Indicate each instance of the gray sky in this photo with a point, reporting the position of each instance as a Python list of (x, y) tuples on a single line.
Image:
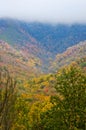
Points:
[(53, 11)]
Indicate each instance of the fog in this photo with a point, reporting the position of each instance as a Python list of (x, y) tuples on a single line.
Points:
[(51, 11)]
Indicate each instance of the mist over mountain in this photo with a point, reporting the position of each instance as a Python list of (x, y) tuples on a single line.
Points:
[(46, 11)]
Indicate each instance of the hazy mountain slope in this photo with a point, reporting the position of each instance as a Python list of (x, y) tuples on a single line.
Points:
[(52, 38), (73, 53), (57, 38), (35, 45), (15, 33)]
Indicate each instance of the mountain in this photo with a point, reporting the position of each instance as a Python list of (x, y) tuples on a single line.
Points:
[(20, 63), (34, 47), (74, 53), (57, 38), (53, 38)]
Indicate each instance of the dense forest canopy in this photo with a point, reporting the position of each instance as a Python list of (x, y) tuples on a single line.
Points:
[(51, 102)]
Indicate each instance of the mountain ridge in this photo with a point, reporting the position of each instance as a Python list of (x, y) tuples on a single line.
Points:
[(74, 53)]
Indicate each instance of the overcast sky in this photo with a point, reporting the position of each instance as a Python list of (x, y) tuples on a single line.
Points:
[(53, 11)]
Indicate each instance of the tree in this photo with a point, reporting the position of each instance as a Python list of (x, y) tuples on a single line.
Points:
[(69, 111), (7, 100), (71, 89)]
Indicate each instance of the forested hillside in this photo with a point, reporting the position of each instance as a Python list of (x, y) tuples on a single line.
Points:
[(22, 63), (73, 53)]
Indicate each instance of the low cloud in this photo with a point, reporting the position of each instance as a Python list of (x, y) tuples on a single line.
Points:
[(52, 11)]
